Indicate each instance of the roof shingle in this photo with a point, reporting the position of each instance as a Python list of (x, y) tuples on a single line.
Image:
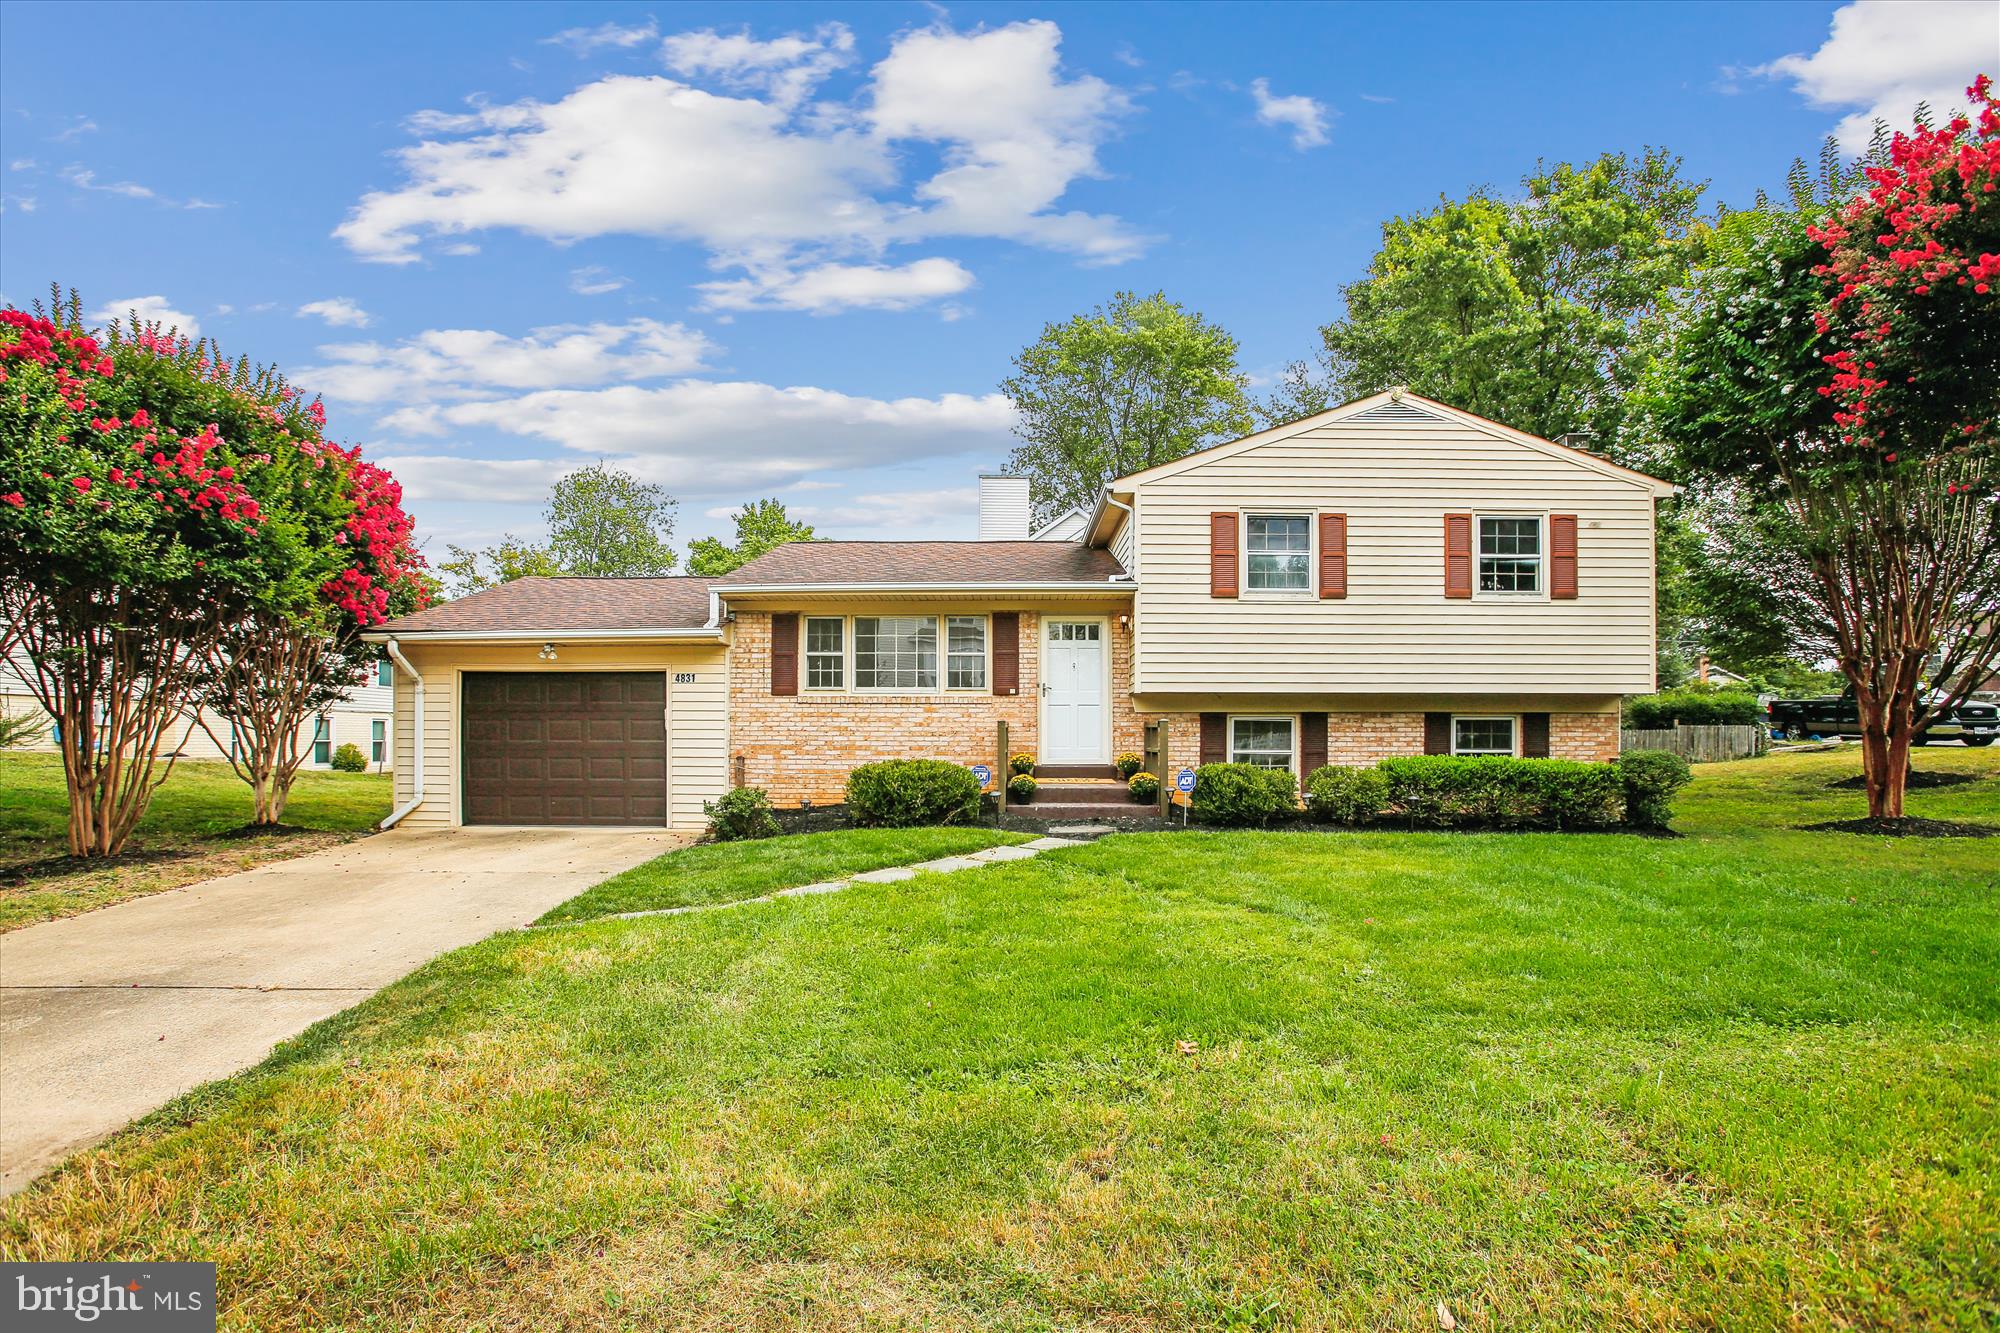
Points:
[(535, 604), (926, 562)]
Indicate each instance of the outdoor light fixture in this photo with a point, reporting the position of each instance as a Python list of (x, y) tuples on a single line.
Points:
[(548, 653)]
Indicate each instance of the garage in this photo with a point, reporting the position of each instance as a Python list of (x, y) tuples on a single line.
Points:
[(565, 747)]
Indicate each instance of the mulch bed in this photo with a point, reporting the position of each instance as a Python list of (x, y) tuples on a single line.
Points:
[(264, 831), (1915, 782), (1909, 826), (21, 872)]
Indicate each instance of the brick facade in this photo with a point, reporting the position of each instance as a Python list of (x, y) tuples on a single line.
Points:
[(801, 747)]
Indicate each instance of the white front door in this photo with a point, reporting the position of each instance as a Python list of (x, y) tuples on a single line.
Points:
[(1073, 714)]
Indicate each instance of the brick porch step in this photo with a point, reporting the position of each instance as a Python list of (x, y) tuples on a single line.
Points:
[(1105, 771), (1083, 793)]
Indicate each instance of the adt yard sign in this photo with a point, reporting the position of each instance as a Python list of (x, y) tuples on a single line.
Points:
[(1184, 780), (984, 775)]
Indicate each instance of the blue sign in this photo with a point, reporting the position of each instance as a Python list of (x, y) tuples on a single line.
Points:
[(984, 774), (1184, 780)]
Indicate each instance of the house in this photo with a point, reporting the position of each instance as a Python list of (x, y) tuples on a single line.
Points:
[(361, 717), (1390, 577)]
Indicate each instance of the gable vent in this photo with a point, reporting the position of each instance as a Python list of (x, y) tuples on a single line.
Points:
[(1393, 412)]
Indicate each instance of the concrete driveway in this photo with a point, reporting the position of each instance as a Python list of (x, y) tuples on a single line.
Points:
[(107, 1015)]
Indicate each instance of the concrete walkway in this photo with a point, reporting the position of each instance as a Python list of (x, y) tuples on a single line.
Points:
[(105, 1016)]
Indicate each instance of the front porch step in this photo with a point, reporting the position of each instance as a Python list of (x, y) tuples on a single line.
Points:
[(1077, 792), (1105, 771)]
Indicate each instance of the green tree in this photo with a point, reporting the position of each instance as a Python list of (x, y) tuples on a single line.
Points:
[(1134, 383), (760, 526), (603, 523), (1524, 310)]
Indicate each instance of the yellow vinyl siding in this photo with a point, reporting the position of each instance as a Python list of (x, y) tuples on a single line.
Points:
[(697, 717), (1395, 631)]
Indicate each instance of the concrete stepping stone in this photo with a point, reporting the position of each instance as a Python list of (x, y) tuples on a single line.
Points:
[(1054, 844), (1004, 853), (830, 886), (886, 875), (944, 865)]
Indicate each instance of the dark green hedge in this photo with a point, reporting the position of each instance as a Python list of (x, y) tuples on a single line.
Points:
[(912, 792), (1693, 708), (1447, 791), (1244, 795)]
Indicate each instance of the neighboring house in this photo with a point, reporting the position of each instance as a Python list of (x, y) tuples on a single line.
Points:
[(1390, 577), (362, 717)]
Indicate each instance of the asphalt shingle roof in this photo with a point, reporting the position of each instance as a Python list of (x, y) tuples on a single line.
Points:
[(567, 604), (926, 562)]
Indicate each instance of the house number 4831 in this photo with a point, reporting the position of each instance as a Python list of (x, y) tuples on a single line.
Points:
[(683, 677)]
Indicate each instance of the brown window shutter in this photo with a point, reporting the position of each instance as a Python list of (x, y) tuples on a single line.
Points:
[(1222, 553), (1006, 652), (1534, 735), (1562, 556), (1458, 555), (1312, 744), (1333, 555), (785, 653), (1214, 743), (1437, 733)]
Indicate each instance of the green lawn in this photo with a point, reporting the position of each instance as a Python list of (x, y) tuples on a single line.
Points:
[(729, 871), (176, 843), (1746, 1078)]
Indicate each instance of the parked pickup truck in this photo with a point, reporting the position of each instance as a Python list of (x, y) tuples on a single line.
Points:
[(1973, 722)]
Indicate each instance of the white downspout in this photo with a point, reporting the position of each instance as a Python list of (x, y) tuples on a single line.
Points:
[(417, 774)]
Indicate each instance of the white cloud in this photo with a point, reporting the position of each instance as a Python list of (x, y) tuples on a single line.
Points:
[(594, 280), (1307, 117), (786, 69), (761, 182), (833, 287), (583, 41), (913, 514), (84, 179), (338, 311), (150, 310), (76, 129), (1886, 57), (21, 203), (714, 437), (21, 164), (491, 480), (458, 363)]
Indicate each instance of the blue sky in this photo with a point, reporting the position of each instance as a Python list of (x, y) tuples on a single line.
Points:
[(789, 250)]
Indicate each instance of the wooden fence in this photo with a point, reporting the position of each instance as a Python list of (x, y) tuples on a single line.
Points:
[(1700, 745)]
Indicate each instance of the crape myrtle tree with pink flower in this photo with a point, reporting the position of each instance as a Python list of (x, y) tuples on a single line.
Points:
[(1836, 366), (171, 523)]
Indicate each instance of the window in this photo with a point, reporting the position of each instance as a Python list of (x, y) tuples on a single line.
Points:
[(895, 653), (385, 672), (1073, 631), (965, 652), (1280, 552), (1482, 735), (1510, 554), (826, 652), (1263, 741), (378, 740), (322, 740)]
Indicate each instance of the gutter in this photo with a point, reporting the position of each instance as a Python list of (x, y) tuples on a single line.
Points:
[(768, 589), (417, 773), (572, 635), (1132, 517)]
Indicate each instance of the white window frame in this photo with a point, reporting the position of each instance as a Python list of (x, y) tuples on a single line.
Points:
[(941, 624), (985, 682), (1513, 721), (1540, 591), (1312, 555), (1291, 721), (806, 655), (378, 740)]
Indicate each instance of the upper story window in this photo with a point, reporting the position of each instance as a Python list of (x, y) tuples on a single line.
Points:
[(1278, 548), (965, 652), (1510, 553), (1482, 735), (826, 652), (1263, 741), (895, 653), (384, 672)]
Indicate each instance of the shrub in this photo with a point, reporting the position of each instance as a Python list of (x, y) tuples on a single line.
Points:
[(1021, 788), (1244, 795), (1145, 788), (1346, 795), (1694, 707), (1447, 791), (1128, 764), (1650, 779), (1022, 763), (741, 812), (348, 759), (901, 792)]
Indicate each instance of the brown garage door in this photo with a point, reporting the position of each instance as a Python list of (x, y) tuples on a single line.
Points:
[(565, 747)]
